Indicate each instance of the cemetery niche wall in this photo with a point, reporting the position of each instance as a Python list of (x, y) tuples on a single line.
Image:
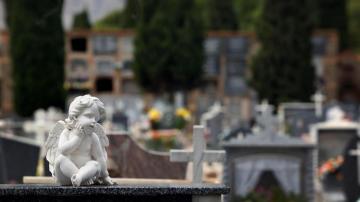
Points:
[(269, 161)]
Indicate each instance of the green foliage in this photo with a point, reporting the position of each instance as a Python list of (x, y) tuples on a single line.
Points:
[(354, 24), (120, 19), (111, 21), (37, 54), (221, 15), (168, 46), (131, 13), (331, 14), (282, 70), (81, 21), (248, 13), (273, 195)]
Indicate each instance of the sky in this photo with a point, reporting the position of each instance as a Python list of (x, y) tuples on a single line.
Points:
[(97, 9)]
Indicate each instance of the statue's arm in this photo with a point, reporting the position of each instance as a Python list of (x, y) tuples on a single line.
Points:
[(98, 155), (68, 146)]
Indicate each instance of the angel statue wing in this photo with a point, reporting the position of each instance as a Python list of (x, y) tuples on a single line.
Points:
[(51, 145), (104, 141)]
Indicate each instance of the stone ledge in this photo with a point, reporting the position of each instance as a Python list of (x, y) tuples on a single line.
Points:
[(117, 190)]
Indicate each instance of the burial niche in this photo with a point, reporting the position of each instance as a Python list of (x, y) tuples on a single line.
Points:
[(104, 84), (79, 44)]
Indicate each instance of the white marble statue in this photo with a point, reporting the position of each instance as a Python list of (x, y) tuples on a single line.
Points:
[(75, 147)]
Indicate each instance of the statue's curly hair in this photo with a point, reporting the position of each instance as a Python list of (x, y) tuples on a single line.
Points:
[(79, 104)]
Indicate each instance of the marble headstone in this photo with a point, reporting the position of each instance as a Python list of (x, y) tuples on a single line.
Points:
[(129, 160)]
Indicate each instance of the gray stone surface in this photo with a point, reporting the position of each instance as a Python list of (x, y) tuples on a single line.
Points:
[(118, 190)]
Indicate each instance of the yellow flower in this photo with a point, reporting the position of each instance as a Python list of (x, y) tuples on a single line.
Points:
[(183, 113), (154, 114)]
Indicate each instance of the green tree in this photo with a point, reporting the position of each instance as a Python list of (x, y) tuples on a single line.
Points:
[(81, 21), (168, 46), (221, 15), (248, 13), (37, 54), (111, 21), (282, 70), (131, 13), (354, 24), (332, 14), (119, 19)]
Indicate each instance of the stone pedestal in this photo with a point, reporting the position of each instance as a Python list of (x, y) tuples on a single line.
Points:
[(134, 193)]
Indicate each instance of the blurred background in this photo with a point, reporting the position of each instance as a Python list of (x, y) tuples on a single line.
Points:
[(161, 67)]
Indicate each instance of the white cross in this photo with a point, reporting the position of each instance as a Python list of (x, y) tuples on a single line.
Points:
[(357, 153), (40, 126), (198, 155), (266, 118), (318, 98)]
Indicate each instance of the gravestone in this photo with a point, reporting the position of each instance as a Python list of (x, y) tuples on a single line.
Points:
[(296, 118), (350, 170), (119, 121), (20, 157), (332, 137), (198, 155), (213, 122), (129, 160), (289, 160)]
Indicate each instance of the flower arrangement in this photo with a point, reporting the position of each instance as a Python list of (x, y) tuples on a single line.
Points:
[(182, 117), (154, 116), (165, 126), (331, 166)]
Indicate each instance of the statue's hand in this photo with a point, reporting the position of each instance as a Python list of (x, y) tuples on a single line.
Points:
[(79, 131)]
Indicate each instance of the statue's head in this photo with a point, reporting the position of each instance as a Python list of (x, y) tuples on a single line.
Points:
[(86, 106)]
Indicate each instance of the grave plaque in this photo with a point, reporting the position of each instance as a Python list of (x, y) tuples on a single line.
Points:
[(297, 117)]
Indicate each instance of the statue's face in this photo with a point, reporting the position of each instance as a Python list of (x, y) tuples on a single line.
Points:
[(88, 118)]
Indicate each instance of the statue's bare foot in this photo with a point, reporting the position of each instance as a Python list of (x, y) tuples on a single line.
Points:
[(76, 180), (108, 181), (89, 182)]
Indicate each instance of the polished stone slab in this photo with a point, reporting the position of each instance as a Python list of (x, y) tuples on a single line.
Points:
[(112, 193)]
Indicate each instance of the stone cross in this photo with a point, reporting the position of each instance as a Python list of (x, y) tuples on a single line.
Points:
[(198, 155), (39, 126), (266, 118), (318, 98), (357, 154)]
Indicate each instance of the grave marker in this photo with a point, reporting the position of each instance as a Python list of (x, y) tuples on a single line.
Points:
[(198, 155)]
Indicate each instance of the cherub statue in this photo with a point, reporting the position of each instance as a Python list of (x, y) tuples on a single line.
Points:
[(75, 147)]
